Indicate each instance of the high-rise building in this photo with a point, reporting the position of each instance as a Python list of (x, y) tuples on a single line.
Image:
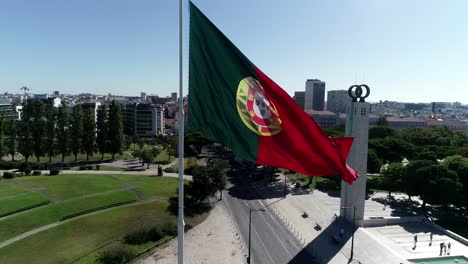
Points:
[(174, 97), (314, 95), (299, 97), (338, 101), (143, 119)]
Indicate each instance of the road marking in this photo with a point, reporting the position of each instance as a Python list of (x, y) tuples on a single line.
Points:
[(261, 241), (273, 231)]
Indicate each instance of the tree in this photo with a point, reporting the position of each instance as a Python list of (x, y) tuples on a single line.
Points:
[(381, 132), (201, 186), (194, 141), (382, 121), (25, 145), (102, 130), (89, 133), (38, 128), (173, 147), (373, 162), (441, 185), (392, 149), (393, 176), (147, 157), (50, 129), (11, 142), (412, 179), (76, 130), (115, 133), (218, 176), (62, 130), (3, 129)]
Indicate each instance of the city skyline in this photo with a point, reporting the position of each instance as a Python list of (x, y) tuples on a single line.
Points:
[(406, 52)]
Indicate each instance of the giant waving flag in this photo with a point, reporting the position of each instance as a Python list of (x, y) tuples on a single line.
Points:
[(235, 103)]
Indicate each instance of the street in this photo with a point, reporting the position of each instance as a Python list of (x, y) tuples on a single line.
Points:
[(271, 241)]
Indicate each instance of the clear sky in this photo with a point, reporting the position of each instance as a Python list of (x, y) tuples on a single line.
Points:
[(404, 50)]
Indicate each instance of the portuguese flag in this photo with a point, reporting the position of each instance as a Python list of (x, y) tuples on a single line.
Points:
[(235, 103)]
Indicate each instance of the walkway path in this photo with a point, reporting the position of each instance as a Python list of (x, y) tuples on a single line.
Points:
[(387, 244), (34, 188), (46, 227)]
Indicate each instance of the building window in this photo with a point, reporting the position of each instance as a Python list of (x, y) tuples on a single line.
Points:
[(363, 111)]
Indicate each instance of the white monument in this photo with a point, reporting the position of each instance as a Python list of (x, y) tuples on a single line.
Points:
[(357, 126)]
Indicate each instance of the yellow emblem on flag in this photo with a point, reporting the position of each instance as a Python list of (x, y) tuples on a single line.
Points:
[(255, 110)]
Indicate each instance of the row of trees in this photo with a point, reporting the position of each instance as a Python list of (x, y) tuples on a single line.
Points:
[(47, 131), (437, 169)]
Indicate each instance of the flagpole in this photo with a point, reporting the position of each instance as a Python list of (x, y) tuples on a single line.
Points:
[(180, 224)]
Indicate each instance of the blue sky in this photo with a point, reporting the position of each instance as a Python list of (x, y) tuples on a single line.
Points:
[(404, 50)]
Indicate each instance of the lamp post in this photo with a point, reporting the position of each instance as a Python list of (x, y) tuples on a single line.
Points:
[(284, 191), (354, 226), (250, 227)]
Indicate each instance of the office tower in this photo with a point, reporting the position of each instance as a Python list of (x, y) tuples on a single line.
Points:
[(337, 101), (314, 95)]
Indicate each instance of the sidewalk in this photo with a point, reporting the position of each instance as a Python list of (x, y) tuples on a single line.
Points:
[(311, 216)]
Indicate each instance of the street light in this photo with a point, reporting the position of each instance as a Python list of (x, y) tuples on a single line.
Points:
[(354, 226), (250, 226)]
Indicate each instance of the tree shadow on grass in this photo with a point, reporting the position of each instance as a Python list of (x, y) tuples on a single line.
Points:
[(191, 209)]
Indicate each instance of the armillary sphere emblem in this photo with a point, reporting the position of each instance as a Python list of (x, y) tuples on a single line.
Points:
[(356, 92)]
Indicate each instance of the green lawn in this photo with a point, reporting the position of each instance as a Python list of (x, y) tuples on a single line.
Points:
[(67, 186), (21, 201), (48, 214), (151, 186), (71, 241), (163, 156), (7, 188)]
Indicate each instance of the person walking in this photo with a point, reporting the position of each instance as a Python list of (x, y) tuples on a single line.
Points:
[(430, 239), (445, 249), (449, 246), (441, 248)]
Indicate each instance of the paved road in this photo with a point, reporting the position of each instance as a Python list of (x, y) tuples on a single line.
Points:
[(271, 241)]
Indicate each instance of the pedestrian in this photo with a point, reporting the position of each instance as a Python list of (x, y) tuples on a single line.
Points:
[(441, 248), (415, 239), (430, 239), (449, 246), (445, 249)]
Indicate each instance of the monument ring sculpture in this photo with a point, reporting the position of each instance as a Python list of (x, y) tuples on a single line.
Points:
[(356, 92)]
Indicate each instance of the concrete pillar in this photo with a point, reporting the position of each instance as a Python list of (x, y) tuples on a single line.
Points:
[(357, 126)]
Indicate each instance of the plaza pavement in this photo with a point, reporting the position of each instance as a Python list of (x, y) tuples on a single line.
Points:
[(312, 217)]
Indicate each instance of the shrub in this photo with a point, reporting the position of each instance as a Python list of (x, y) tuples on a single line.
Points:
[(36, 173), (54, 171), (9, 165), (25, 166), (169, 229), (27, 171), (66, 168), (36, 166), (162, 162), (89, 167), (8, 175), (82, 167), (118, 254), (170, 170), (98, 167)]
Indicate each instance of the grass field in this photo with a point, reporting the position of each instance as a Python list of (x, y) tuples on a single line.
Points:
[(21, 201), (67, 186), (73, 240), (152, 186), (7, 188), (48, 214)]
